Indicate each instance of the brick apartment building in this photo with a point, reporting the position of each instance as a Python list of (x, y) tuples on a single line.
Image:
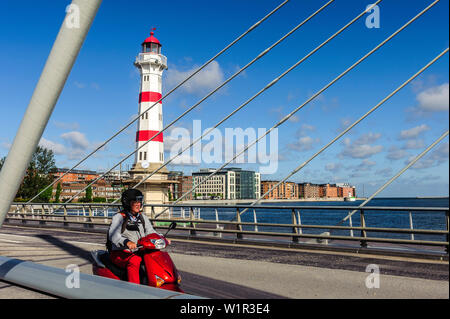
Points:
[(309, 190), (341, 190), (76, 180), (328, 190), (286, 190), (346, 190), (183, 186), (74, 175)]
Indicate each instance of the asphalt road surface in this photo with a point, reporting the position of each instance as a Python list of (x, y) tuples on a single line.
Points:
[(219, 271)]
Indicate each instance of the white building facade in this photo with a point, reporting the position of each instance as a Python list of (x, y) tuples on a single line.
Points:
[(231, 183)]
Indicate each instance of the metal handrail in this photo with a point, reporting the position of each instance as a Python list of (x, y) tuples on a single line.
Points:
[(390, 208), (192, 225)]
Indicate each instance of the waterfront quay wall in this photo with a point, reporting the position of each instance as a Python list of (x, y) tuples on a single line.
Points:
[(264, 201)]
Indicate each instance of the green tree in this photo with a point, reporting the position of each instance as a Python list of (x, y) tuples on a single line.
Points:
[(58, 192), (88, 196), (38, 176)]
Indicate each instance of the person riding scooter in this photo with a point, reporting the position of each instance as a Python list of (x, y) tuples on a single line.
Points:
[(127, 227)]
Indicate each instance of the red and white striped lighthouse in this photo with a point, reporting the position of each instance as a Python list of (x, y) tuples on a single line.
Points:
[(151, 64)]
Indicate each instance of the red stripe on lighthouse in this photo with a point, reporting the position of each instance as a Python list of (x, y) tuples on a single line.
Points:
[(143, 136), (150, 97)]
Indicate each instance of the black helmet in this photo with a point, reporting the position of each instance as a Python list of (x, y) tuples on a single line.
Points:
[(131, 195)]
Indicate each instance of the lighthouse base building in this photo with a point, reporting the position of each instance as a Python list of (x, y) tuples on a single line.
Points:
[(149, 142), (155, 189)]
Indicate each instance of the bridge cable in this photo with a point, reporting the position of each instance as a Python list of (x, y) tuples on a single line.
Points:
[(297, 169), (253, 97), (208, 95), (306, 102), (163, 97)]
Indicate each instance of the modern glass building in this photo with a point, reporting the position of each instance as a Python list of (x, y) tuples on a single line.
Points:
[(229, 183)]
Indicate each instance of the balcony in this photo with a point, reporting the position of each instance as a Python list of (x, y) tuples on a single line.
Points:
[(152, 58)]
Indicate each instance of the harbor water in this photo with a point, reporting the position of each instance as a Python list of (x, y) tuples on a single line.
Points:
[(373, 218)]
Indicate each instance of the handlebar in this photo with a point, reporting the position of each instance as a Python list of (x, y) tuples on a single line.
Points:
[(152, 241), (133, 250)]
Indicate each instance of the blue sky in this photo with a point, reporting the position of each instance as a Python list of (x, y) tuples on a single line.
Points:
[(101, 93)]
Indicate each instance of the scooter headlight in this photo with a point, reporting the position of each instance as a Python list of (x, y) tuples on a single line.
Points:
[(159, 281), (159, 243)]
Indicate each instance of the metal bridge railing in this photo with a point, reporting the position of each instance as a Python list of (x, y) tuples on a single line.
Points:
[(293, 224)]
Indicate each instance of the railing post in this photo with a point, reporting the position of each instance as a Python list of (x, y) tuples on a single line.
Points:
[(89, 219), (238, 226), (448, 227), (24, 221), (254, 220), (65, 216), (152, 213), (350, 222), (192, 232), (42, 221), (411, 225), (363, 231), (294, 229), (299, 222), (217, 234)]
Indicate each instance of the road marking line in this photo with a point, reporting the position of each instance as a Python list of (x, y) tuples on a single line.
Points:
[(10, 241)]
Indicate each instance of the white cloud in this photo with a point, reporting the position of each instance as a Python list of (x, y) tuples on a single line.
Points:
[(434, 99), (333, 167), (395, 153), (367, 138), (77, 140), (361, 147), (420, 164), (82, 85), (413, 132), (304, 143), (365, 165), (67, 125), (6, 145), (414, 144), (79, 85), (362, 151), (387, 171), (441, 153), (207, 79), (437, 157), (58, 149)]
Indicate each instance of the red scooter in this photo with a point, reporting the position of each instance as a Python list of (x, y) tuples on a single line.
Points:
[(163, 273)]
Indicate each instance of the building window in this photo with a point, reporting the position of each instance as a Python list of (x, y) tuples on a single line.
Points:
[(140, 156), (145, 156)]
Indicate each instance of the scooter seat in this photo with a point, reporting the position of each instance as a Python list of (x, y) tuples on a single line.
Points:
[(102, 259), (116, 270)]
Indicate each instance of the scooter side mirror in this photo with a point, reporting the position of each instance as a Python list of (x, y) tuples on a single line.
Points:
[(172, 225)]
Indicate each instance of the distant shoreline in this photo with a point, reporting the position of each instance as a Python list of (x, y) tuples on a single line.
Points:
[(243, 201), (335, 199)]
